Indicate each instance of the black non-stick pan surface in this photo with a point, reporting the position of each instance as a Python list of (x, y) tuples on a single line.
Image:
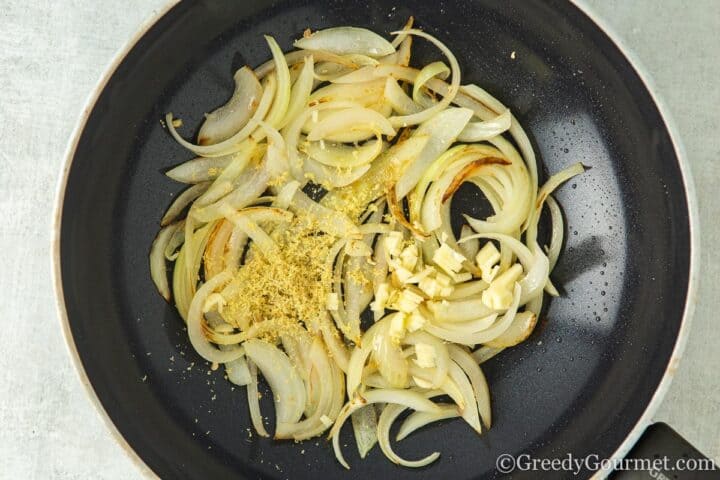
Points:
[(579, 385)]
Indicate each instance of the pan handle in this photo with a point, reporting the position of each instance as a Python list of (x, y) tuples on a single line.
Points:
[(658, 442)]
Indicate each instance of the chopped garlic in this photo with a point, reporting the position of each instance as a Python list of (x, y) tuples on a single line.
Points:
[(397, 327), (408, 301), (426, 272), (499, 294), (381, 297), (486, 259), (461, 277), (393, 243), (327, 421), (402, 274), (431, 287), (443, 279), (425, 355), (448, 259), (333, 302), (409, 257), (415, 321)]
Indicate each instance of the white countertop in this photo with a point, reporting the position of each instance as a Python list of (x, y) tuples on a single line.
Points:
[(51, 56)]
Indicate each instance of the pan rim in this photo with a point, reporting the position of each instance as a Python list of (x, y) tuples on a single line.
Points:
[(693, 225), (636, 65)]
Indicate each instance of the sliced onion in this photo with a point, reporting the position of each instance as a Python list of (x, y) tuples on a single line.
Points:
[(313, 424), (470, 248), (459, 310), (182, 201), (248, 187), (175, 242), (238, 372), (401, 37), (368, 95), (480, 337), (343, 156), (329, 221), (435, 69), (467, 289), (254, 402), (425, 115), (470, 412), (231, 175), (482, 131), (284, 380), (391, 363), (301, 91), (477, 379), (364, 422), (187, 266), (396, 209), (518, 332), (442, 130), (227, 120), (553, 182), (295, 57), (276, 115), (196, 321), (557, 232), (230, 145), (389, 415), (332, 177), (347, 40), (247, 220), (399, 100), (445, 186), (234, 249), (291, 134), (417, 420), (351, 125), (485, 353), (335, 345), (199, 169), (384, 169), (470, 326), (408, 398), (329, 71), (361, 75), (361, 353), (158, 270), (213, 258)]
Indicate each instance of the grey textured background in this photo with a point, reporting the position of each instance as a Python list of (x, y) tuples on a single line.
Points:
[(52, 54)]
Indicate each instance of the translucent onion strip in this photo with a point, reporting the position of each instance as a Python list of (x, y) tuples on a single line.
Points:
[(284, 380), (254, 402), (347, 40), (230, 145), (158, 270), (417, 420), (199, 169), (182, 201), (227, 120), (420, 117), (558, 230)]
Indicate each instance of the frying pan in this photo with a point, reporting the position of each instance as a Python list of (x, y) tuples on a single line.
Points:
[(588, 379)]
